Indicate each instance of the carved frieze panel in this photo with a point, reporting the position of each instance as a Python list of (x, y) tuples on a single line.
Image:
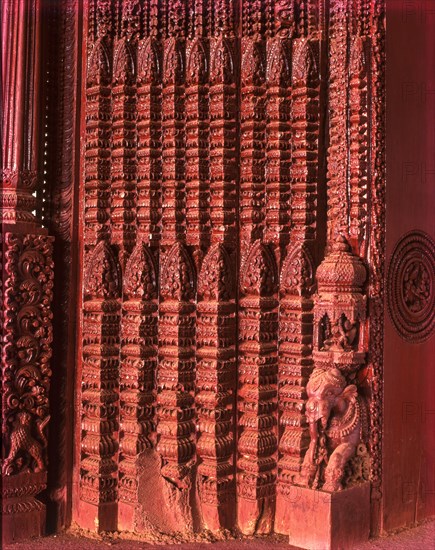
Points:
[(229, 148)]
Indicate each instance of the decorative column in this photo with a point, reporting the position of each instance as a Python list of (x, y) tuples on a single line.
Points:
[(252, 128), (257, 443), (215, 387), (99, 415), (27, 281), (176, 384), (197, 136), (137, 379), (124, 138)]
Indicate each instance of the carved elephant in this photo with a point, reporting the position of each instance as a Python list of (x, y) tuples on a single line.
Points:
[(333, 413)]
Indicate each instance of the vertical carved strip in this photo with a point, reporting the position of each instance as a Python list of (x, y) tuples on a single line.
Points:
[(173, 127), (223, 136), (252, 139), (215, 383), (100, 389), (176, 379), (297, 273), (257, 393), (359, 141), (27, 335), (197, 136), (338, 162), (278, 142), (123, 160), (295, 365), (98, 127), (26, 285), (377, 255), (149, 135), (137, 373)]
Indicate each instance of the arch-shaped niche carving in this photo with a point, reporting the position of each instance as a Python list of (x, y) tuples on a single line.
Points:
[(102, 274), (259, 273), (140, 280), (215, 282)]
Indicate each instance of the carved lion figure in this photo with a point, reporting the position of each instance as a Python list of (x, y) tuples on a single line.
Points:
[(333, 411), (22, 441)]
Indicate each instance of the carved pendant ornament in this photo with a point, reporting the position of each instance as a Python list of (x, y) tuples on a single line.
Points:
[(232, 261)]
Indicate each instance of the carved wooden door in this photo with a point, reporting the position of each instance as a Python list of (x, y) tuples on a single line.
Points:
[(228, 147)]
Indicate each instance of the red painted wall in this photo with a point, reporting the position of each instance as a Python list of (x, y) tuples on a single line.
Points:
[(409, 432)]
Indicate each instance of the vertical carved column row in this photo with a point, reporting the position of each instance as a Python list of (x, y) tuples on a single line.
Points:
[(97, 165), (223, 127), (257, 393), (100, 389), (297, 275), (215, 383), (137, 372), (26, 283), (278, 141), (173, 126), (176, 378), (252, 129), (149, 136), (358, 137), (123, 159), (377, 256), (338, 162), (197, 137), (216, 319), (101, 289)]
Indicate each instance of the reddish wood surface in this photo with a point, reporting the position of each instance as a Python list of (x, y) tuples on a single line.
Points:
[(409, 429), (226, 193)]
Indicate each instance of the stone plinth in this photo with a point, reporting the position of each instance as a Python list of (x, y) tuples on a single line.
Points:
[(318, 520)]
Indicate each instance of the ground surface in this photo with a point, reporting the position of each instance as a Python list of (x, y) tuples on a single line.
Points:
[(419, 538)]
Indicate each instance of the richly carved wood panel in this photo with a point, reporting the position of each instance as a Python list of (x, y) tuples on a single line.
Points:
[(233, 177)]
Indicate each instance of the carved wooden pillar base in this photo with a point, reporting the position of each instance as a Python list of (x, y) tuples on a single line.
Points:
[(23, 515), (98, 518), (318, 520), (256, 516)]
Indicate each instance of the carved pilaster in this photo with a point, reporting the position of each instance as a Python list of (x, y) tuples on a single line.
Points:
[(123, 155), (176, 378), (223, 138), (26, 281), (100, 388), (137, 375), (97, 165), (278, 142), (173, 127), (359, 142), (252, 146), (215, 394), (197, 138), (149, 135), (338, 200), (257, 392)]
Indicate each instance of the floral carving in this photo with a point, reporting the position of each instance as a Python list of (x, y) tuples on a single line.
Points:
[(27, 352)]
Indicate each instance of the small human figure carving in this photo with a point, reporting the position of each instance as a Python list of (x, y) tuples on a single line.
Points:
[(334, 416), (22, 441), (342, 337)]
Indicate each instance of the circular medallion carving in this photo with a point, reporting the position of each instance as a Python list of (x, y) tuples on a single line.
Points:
[(410, 287)]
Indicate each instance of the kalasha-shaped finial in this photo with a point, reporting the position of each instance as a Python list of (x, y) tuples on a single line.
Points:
[(340, 309)]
